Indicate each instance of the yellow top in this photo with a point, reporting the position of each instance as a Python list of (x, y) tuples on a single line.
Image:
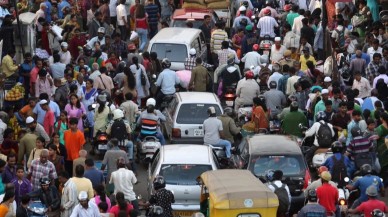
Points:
[(237, 189), (7, 66)]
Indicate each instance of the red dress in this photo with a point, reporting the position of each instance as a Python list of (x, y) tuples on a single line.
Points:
[(45, 42)]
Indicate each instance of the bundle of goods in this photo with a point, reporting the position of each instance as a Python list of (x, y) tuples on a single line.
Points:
[(206, 4), (15, 94)]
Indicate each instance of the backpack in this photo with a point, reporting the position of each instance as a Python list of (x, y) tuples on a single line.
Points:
[(324, 136), (364, 158), (243, 22), (339, 171), (119, 131), (341, 37), (284, 201)]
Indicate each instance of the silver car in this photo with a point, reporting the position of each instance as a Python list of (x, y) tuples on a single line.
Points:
[(181, 165)]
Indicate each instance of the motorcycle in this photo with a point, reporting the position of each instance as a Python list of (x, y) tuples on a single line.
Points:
[(230, 95), (265, 45), (148, 146), (220, 153), (100, 144), (244, 114), (37, 209), (320, 156)]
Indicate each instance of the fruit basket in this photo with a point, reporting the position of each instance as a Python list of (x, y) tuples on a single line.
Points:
[(15, 94)]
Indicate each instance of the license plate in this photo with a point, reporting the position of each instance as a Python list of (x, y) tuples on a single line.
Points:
[(102, 147), (198, 132), (266, 52), (183, 213), (229, 103)]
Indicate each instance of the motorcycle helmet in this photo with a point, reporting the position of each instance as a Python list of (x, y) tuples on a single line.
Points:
[(211, 111), (312, 195), (366, 169), (269, 175), (159, 182), (321, 116), (121, 66), (156, 211), (356, 131), (151, 101), (108, 97), (377, 213), (118, 114), (166, 63), (337, 147), (230, 60), (44, 181), (255, 47), (249, 75), (192, 52)]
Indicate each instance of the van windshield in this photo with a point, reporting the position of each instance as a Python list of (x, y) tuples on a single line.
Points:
[(182, 174), (194, 113), (174, 52)]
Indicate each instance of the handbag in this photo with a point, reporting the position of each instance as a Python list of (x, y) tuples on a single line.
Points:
[(85, 122), (143, 79)]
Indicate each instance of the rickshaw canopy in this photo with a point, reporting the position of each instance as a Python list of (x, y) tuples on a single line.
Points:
[(237, 189)]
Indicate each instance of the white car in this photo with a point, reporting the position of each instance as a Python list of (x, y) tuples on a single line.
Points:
[(185, 115), (181, 165)]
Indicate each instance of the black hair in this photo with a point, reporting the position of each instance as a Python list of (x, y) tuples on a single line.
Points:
[(2, 163), (8, 195), (73, 121), (328, 102), (89, 162), (100, 190), (121, 202), (103, 69), (40, 138), (78, 104), (128, 96), (277, 175), (11, 155), (20, 167), (79, 170), (7, 132), (42, 72), (25, 199), (103, 206), (366, 113), (135, 61), (130, 78), (198, 60), (356, 113), (64, 174)]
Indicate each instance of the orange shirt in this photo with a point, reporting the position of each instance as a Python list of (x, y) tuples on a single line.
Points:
[(260, 117), (27, 110), (73, 143), (3, 210)]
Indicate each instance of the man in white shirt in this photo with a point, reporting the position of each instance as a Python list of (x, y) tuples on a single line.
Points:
[(382, 75), (85, 207), (122, 17), (99, 38), (96, 72), (113, 12), (267, 24), (65, 54), (277, 50), (3, 126), (276, 182), (298, 22), (252, 58), (291, 81), (276, 75), (40, 14), (362, 84), (290, 39), (247, 89), (123, 180), (374, 49)]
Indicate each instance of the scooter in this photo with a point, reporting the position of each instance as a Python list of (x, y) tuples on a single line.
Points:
[(100, 144), (265, 45), (148, 146), (230, 95), (320, 156), (37, 209)]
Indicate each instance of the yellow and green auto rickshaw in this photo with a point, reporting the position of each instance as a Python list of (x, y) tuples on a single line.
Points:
[(236, 193)]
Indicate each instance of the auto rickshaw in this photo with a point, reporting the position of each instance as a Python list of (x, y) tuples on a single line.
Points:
[(235, 193)]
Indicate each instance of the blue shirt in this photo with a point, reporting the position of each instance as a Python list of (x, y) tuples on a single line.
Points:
[(58, 70), (40, 113), (237, 20), (95, 176), (25, 68), (329, 163), (152, 11), (47, 12), (366, 181), (361, 124), (167, 81), (364, 56), (61, 6)]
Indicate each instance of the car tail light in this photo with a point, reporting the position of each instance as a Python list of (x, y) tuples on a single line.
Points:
[(266, 45), (307, 179), (229, 95), (176, 133), (342, 201)]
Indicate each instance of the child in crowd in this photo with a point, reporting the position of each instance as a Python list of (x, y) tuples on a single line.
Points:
[(22, 185)]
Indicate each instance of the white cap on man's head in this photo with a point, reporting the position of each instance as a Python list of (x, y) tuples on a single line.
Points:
[(29, 120), (83, 195), (242, 8), (327, 79), (278, 39), (325, 91), (42, 102)]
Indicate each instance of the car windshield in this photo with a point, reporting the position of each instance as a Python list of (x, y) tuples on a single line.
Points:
[(194, 113), (182, 23), (182, 174), (174, 52), (290, 164)]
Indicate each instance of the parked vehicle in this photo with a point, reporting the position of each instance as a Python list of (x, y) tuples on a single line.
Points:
[(180, 171), (235, 193)]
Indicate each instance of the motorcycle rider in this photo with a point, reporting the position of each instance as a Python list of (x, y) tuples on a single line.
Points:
[(230, 74), (312, 208), (241, 21), (318, 183), (363, 183), (328, 195), (190, 61), (228, 124), (275, 100), (313, 131), (267, 25), (247, 89), (293, 119), (338, 159), (249, 40), (213, 131), (368, 207), (252, 58), (49, 196), (162, 197), (149, 120), (166, 81)]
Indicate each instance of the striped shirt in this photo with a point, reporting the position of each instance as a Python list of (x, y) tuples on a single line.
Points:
[(39, 170), (359, 145), (218, 36), (266, 25), (152, 12)]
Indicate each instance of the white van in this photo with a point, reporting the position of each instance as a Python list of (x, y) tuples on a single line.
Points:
[(175, 43)]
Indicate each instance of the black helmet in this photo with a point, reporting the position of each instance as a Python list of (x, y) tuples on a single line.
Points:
[(377, 213), (312, 195), (366, 169), (88, 50), (356, 131), (273, 84), (166, 63), (156, 211), (269, 175), (337, 147), (159, 182), (121, 66), (44, 181), (320, 116)]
